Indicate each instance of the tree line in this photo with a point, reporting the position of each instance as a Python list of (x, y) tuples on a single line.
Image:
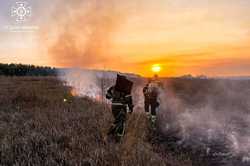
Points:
[(26, 70)]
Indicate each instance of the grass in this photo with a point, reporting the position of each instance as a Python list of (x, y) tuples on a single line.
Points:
[(38, 128)]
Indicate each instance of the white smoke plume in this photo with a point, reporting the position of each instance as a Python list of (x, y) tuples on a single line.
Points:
[(95, 83), (83, 82), (223, 118)]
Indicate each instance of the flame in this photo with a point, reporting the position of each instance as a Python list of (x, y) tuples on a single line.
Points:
[(73, 92), (98, 98)]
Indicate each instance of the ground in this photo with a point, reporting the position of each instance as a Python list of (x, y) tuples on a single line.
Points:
[(39, 127), (42, 123)]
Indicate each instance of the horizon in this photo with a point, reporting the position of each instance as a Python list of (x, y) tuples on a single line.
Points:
[(136, 74), (187, 74), (194, 37)]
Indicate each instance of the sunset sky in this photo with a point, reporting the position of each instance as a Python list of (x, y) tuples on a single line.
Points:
[(208, 37)]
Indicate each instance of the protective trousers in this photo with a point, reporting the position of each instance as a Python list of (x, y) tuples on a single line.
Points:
[(150, 106), (118, 128)]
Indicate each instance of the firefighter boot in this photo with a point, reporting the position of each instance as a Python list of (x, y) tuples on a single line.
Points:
[(120, 132), (153, 121)]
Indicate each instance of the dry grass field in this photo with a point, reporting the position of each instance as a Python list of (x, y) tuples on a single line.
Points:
[(201, 123), (38, 128)]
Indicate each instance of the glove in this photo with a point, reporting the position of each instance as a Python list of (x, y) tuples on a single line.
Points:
[(108, 96), (130, 110)]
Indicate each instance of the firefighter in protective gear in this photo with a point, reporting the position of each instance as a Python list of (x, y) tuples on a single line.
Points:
[(151, 91), (121, 102), (146, 99)]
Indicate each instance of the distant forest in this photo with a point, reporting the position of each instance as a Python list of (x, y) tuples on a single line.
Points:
[(26, 70)]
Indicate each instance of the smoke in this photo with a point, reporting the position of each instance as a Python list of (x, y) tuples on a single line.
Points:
[(95, 83), (80, 32), (83, 82), (215, 120), (138, 98)]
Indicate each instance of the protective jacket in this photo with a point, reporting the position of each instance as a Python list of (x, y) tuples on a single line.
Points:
[(150, 94), (119, 98)]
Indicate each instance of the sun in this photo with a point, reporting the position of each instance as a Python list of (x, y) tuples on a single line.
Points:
[(156, 68)]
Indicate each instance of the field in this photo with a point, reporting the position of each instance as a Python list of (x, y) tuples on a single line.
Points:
[(39, 127)]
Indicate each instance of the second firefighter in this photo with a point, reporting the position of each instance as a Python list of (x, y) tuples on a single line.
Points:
[(151, 103)]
